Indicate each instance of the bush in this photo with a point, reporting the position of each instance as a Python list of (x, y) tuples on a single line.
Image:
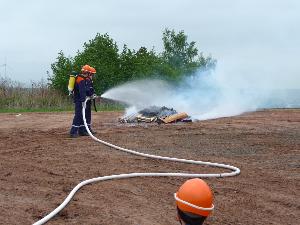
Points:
[(15, 96), (179, 58)]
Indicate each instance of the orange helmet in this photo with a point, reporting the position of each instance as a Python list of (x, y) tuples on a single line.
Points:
[(92, 70), (85, 69), (195, 196)]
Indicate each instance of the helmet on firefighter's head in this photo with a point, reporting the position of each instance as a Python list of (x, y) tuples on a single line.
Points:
[(85, 69), (195, 197), (92, 70)]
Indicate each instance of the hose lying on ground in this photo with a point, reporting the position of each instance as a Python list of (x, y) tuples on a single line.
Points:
[(235, 171)]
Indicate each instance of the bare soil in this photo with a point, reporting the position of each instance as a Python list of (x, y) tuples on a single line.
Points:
[(40, 165)]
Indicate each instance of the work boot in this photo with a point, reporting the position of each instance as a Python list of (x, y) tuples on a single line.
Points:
[(83, 133), (74, 135)]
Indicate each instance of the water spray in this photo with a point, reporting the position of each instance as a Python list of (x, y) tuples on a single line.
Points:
[(208, 94), (234, 170)]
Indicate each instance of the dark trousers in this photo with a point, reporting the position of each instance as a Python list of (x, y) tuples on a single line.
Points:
[(78, 125)]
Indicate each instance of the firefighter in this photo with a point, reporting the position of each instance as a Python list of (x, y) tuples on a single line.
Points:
[(83, 87), (194, 202)]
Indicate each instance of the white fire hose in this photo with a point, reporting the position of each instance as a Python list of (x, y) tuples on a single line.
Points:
[(235, 170)]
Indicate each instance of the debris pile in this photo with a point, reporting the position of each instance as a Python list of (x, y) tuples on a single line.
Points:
[(156, 114)]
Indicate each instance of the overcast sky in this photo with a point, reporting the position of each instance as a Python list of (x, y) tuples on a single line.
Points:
[(249, 38)]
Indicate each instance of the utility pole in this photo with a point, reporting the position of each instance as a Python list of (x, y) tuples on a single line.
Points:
[(5, 67)]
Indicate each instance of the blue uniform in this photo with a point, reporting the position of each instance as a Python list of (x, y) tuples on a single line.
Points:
[(83, 88)]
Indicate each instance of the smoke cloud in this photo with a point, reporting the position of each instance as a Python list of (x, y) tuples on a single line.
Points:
[(207, 94)]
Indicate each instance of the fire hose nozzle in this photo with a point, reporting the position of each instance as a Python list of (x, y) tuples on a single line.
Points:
[(94, 96)]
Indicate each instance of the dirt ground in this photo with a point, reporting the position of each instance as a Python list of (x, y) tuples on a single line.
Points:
[(40, 165)]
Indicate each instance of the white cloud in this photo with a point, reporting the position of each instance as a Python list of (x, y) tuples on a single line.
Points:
[(249, 38)]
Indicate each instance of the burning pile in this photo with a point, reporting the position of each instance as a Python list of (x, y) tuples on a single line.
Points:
[(156, 114)]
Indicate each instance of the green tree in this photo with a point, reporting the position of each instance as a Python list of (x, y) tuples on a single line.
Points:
[(181, 57), (138, 64), (127, 67), (101, 53), (146, 63), (61, 69)]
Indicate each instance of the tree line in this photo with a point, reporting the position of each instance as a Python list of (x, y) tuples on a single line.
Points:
[(179, 58)]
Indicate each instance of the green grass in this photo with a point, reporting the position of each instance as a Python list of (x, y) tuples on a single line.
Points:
[(33, 110), (100, 108)]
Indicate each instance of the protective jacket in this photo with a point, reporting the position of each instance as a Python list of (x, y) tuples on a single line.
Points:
[(83, 88)]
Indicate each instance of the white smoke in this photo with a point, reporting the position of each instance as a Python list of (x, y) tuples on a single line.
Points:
[(206, 95)]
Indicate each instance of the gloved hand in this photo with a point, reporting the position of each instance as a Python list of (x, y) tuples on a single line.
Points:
[(70, 93)]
